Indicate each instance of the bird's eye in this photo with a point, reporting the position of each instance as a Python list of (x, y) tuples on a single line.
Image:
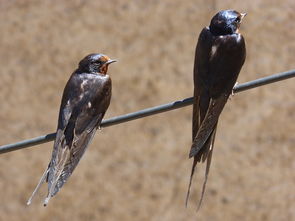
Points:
[(238, 20)]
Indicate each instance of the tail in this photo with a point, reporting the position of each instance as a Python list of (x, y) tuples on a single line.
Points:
[(190, 182), (55, 172), (204, 154), (42, 180), (208, 124), (209, 157)]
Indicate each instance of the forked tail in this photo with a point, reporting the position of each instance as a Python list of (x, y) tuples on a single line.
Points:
[(55, 173), (42, 180)]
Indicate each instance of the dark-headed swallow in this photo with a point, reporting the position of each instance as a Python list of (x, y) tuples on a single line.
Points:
[(219, 57), (85, 100)]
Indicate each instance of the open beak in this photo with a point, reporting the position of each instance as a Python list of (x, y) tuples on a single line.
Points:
[(110, 61)]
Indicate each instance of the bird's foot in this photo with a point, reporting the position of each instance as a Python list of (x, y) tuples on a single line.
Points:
[(232, 92)]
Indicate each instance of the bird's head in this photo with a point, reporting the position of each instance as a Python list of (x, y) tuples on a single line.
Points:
[(226, 22), (95, 63)]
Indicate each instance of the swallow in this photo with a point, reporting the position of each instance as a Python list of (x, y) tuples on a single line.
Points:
[(85, 100), (219, 56)]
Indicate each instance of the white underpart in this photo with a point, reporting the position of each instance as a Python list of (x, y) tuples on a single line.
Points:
[(89, 104)]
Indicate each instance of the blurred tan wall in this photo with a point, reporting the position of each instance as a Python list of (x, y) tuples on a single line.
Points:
[(139, 170)]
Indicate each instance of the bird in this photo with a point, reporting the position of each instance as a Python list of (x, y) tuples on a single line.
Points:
[(219, 56), (86, 98)]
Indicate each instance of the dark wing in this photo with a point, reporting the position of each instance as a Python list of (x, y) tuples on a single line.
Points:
[(217, 64), (201, 84), (85, 100), (201, 89)]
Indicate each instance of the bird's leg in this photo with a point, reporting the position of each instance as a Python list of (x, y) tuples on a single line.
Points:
[(232, 92)]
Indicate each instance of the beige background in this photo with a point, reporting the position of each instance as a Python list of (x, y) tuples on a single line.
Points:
[(139, 170)]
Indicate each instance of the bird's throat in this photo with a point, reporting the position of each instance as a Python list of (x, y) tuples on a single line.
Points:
[(104, 69)]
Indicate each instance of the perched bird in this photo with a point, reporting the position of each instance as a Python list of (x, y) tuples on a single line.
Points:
[(219, 57), (86, 98)]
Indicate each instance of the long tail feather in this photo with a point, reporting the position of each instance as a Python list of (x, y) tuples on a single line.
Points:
[(42, 180), (205, 154), (209, 157), (57, 171), (190, 181)]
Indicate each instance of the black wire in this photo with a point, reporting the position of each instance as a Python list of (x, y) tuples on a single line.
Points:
[(150, 111)]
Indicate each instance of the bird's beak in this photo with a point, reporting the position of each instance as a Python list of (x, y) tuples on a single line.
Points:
[(243, 15), (110, 61)]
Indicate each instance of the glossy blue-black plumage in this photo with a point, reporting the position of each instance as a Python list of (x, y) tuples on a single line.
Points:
[(220, 54), (226, 22)]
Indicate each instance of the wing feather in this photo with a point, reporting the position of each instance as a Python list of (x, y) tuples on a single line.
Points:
[(208, 124)]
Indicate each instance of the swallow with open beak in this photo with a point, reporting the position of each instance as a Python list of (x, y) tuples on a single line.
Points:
[(219, 57), (86, 98)]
